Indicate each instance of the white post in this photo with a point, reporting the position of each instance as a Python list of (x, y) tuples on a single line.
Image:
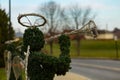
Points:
[(7, 59), (26, 61), (9, 64)]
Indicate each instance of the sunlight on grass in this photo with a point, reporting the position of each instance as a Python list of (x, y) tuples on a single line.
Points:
[(2, 74), (89, 49)]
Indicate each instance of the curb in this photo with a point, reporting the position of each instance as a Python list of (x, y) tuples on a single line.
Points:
[(71, 76)]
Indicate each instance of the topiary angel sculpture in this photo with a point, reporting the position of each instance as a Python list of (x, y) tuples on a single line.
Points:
[(41, 66)]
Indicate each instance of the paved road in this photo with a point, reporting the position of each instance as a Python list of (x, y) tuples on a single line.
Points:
[(97, 69)]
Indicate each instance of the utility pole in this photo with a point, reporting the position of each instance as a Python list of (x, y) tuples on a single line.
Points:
[(10, 10), (9, 17), (0, 4)]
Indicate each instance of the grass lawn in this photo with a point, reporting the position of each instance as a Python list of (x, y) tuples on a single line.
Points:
[(90, 49), (2, 74)]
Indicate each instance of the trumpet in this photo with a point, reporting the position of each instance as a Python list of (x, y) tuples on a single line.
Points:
[(90, 28)]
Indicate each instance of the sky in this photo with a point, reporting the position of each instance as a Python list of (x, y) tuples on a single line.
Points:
[(107, 11)]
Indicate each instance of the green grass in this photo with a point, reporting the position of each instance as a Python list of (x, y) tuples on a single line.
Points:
[(90, 49), (99, 48), (2, 74), (56, 50)]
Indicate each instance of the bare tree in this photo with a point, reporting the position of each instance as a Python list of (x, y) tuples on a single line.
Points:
[(54, 15), (79, 17)]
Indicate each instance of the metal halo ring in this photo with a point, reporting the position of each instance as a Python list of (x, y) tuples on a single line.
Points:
[(31, 14)]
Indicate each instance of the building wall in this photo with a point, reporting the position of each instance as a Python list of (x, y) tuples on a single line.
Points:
[(102, 36)]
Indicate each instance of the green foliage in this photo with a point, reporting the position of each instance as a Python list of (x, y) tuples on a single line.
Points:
[(41, 66), (34, 38), (6, 33), (3, 26), (44, 67), (65, 60), (11, 33), (64, 42), (2, 48), (12, 48)]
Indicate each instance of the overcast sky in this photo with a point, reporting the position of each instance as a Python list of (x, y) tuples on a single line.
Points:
[(108, 11)]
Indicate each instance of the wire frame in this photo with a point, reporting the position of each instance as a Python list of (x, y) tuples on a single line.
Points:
[(29, 22), (17, 67), (7, 59), (90, 29)]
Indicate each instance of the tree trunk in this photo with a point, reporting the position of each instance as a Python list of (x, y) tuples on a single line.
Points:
[(51, 47), (78, 47), (78, 44)]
